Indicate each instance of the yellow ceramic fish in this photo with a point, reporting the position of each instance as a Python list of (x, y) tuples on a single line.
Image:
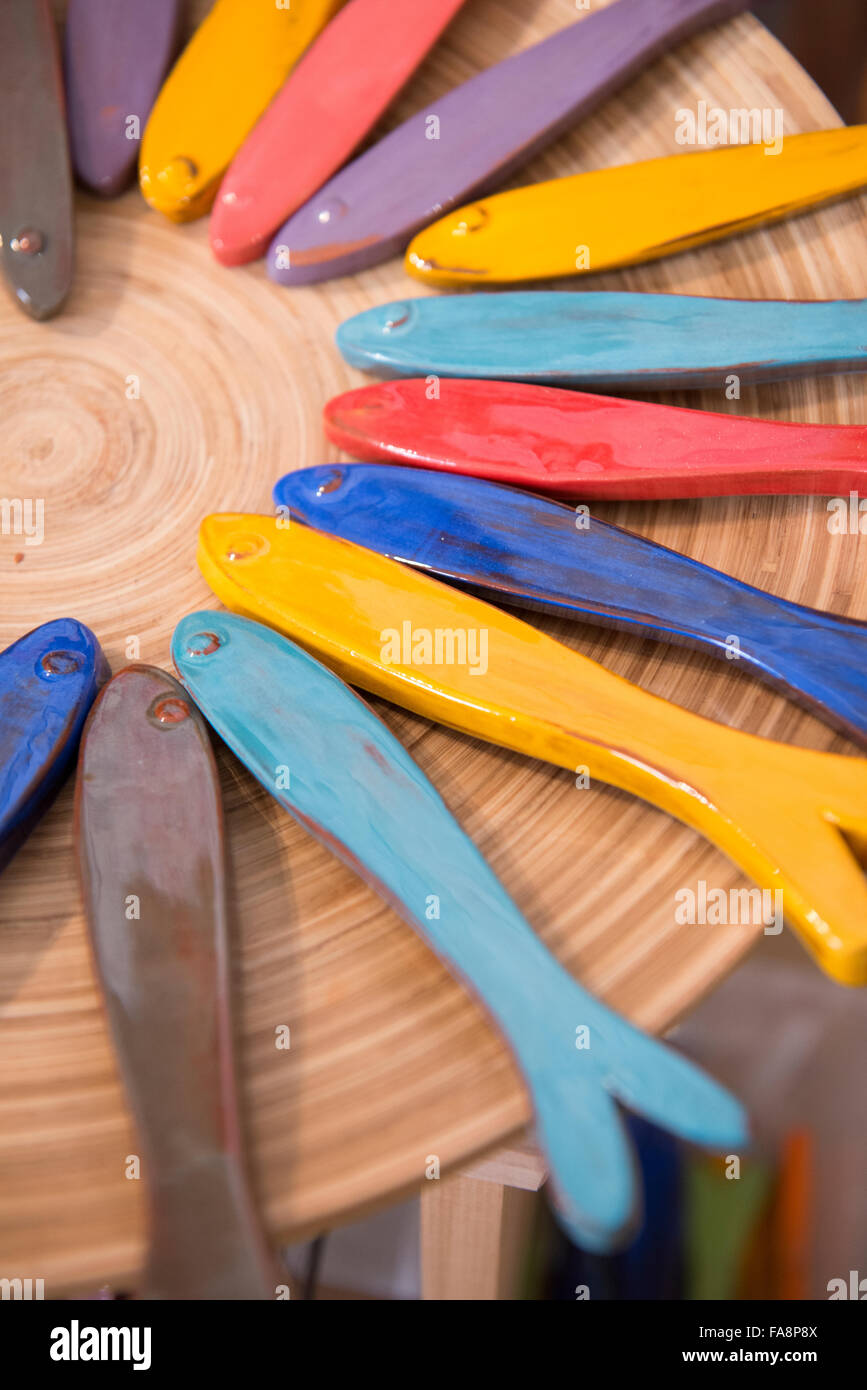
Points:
[(233, 66), (637, 212), (776, 811)]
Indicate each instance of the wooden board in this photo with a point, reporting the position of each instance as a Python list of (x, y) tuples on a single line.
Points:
[(390, 1062)]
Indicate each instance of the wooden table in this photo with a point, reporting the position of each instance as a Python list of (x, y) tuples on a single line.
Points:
[(172, 387)]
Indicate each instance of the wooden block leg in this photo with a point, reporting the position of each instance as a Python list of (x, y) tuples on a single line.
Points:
[(473, 1236)]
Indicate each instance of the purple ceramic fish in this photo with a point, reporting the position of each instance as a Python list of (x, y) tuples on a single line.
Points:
[(476, 135), (116, 56)]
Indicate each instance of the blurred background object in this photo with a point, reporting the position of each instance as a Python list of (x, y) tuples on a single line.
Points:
[(830, 41), (787, 1220)]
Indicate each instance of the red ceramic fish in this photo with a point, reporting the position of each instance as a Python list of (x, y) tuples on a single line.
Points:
[(574, 445)]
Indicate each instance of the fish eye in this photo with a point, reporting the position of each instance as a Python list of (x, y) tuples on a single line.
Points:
[(397, 316), (59, 663), (204, 643), (167, 710), (177, 175), (246, 545), (332, 481), (331, 211), (233, 199), (473, 220)]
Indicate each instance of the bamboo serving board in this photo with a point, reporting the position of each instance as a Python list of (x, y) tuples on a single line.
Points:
[(171, 388)]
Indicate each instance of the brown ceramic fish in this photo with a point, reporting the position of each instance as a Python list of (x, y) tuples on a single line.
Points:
[(149, 837), (35, 174)]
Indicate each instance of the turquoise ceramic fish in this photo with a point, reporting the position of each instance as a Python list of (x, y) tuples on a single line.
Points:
[(323, 754), (607, 339)]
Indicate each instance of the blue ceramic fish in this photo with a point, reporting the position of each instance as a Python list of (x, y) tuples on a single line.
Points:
[(527, 550), (607, 339), (48, 680), (333, 765)]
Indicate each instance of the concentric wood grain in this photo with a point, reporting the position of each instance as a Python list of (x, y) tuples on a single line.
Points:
[(389, 1062)]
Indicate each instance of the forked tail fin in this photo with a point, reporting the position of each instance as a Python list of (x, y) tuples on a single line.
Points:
[(797, 823), (575, 1089)]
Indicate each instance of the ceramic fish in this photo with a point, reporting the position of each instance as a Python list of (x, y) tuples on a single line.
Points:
[(578, 446), (525, 550), (48, 680), (115, 58), (315, 122), (637, 212), (477, 135), (233, 66), (778, 812), (353, 785), (607, 339), (36, 231), (149, 837)]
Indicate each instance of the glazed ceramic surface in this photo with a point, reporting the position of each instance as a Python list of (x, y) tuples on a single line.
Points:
[(36, 235), (115, 57), (48, 680), (371, 209), (637, 212), (331, 763), (579, 446), (335, 96), (231, 69), (149, 837), (526, 550), (607, 339), (407, 1065), (777, 811)]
